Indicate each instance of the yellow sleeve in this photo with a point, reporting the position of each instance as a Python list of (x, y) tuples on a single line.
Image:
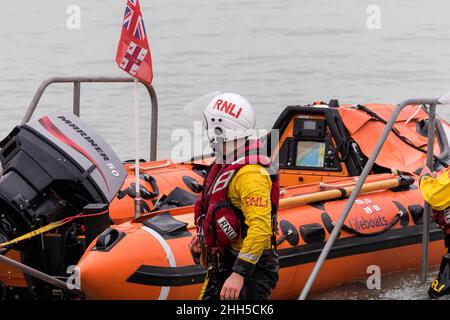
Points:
[(436, 191), (252, 187)]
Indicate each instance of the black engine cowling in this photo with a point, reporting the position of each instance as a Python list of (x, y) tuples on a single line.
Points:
[(52, 168)]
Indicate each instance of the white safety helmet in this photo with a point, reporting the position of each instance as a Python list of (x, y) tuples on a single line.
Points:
[(228, 117)]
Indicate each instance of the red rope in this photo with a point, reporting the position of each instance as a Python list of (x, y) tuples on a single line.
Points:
[(81, 215)]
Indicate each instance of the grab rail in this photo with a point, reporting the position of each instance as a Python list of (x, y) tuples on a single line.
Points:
[(76, 101), (367, 168)]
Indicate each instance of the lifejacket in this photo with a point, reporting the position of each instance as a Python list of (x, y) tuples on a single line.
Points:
[(442, 218), (218, 222)]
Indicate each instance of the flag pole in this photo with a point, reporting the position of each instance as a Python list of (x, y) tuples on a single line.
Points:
[(137, 199)]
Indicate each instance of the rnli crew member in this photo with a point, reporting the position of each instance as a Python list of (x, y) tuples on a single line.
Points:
[(435, 188), (236, 214)]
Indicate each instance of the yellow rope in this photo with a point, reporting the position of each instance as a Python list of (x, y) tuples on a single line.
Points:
[(34, 233)]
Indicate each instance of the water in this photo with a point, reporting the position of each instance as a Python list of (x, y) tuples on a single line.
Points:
[(275, 53), (404, 285)]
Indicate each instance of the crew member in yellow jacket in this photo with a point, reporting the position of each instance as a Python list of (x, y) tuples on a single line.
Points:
[(250, 192), (236, 214), (435, 189)]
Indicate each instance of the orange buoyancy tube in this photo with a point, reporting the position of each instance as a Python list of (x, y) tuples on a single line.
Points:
[(122, 208), (145, 271)]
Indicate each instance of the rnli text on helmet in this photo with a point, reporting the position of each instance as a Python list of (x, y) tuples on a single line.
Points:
[(227, 107)]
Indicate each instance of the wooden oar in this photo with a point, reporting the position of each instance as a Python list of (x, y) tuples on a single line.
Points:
[(323, 195), (343, 192)]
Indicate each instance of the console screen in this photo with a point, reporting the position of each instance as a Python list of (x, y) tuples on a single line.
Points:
[(309, 125), (310, 154)]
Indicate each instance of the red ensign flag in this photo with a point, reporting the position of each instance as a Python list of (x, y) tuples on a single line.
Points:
[(133, 53)]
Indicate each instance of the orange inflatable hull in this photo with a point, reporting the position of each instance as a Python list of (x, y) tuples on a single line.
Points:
[(132, 268), (147, 264)]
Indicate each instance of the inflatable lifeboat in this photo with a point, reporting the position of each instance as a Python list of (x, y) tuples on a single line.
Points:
[(148, 258), (321, 150)]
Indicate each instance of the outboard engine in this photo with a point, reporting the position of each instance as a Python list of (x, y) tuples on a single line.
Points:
[(52, 168)]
